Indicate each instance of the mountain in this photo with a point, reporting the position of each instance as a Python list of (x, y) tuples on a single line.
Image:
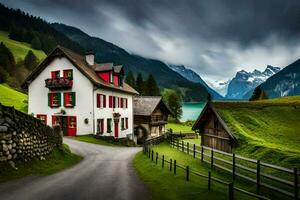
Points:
[(284, 83), (194, 77), (245, 82), (219, 86), (108, 52)]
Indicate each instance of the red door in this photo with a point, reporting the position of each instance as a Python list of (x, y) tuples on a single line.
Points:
[(72, 126), (116, 129)]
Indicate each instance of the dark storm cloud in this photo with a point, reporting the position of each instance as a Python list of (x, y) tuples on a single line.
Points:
[(214, 37)]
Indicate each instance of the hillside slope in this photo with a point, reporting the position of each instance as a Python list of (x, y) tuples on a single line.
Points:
[(267, 129), (19, 49), (284, 83), (11, 97), (108, 52)]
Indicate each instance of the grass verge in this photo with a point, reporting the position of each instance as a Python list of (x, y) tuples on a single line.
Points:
[(165, 185), (91, 139), (55, 161), (179, 127)]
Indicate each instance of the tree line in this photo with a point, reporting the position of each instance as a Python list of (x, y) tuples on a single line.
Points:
[(14, 73), (149, 87)]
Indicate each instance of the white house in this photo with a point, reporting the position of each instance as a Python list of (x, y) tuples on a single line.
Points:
[(82, 96)]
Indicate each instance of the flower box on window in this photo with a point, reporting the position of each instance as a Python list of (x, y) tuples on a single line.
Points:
[(58, 83)]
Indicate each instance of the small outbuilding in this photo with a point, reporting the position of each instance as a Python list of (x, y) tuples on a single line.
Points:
[(213, 130), (150, 117)]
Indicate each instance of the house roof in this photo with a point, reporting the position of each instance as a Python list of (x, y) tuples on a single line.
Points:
[(78, 61), (103, 67), (207, 106), (145, 105)]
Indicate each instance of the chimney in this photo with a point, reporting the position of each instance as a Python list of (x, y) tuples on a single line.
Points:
[(89, 57)]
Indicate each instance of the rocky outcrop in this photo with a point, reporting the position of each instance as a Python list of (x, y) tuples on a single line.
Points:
[(23, 137)]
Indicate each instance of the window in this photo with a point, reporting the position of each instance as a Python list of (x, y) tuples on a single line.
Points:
[(114, 102), (69, 99), (109, 124), (101, 101), (123, 124), (68, 73), (123, 103), (54, 99), (55, 74), (55, 120), (111, 77), (100, 126), (126, 123), (110, 101), (43, 118), (72, 122)]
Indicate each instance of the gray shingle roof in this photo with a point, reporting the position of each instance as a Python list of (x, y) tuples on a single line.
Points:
[(145, 105)]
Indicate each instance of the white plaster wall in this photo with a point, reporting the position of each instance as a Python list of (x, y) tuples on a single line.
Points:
[(104, 113), (38, 96)]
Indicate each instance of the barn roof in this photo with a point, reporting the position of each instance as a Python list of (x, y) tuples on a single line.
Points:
[(209, 105), (145, 105), (78, 61)]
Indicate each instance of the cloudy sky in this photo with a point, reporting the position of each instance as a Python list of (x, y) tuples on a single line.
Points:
[(216, 38)]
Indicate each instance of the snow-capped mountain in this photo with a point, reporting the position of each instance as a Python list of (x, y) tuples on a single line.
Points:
[(284, 83), (194, 77), (243, 83), (219, 86)]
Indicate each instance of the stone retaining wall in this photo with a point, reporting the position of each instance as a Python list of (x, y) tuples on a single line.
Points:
[(23, 137)]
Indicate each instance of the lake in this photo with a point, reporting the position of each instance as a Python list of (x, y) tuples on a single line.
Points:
[(190, 111)]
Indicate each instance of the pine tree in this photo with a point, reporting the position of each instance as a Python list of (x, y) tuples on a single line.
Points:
[(30, 61), (7, 60), (151, 88), (139, 84), (258, 94), (36, 43), (130, 80)]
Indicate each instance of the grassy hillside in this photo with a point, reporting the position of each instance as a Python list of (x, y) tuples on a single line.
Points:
[(267, 129), (11, 97), (19, 49)]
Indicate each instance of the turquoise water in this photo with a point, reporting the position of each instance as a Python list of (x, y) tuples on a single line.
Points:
[(191, 111)]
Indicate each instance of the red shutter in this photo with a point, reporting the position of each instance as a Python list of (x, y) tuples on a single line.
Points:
[(110, 101), (104, 101), (126, 121), (98, 100), (53, 120), (53, 74)]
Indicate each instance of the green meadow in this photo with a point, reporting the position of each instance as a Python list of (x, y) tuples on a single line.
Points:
[(19, 49), (11, 97)]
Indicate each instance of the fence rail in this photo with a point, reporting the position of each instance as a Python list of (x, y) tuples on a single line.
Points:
[(282, 180), (174, 166)]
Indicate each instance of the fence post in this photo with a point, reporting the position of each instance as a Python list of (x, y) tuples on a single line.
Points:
[(212, 159), (163, 161), (171, 164), (152, 154), (233, 166), (174, 166), (156, 158), (202, 151), (258, 177), (296, 189), (182, 143), (230, 191), (188, 148), (209, 179), (194, 153), (187, 173)]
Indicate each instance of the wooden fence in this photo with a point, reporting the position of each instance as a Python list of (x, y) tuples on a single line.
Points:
[(264, 175), (173, 166)]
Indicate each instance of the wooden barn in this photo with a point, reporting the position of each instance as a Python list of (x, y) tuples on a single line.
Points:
[(213, 130), (150, 117)]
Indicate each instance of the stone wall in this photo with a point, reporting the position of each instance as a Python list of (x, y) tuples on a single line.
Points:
[(23, 137)]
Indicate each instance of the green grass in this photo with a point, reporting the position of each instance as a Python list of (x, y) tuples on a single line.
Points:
[(164, 184), (55, 161), (179, 127), (267, 130), (11, 97), (91, 139), (19, 49)]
